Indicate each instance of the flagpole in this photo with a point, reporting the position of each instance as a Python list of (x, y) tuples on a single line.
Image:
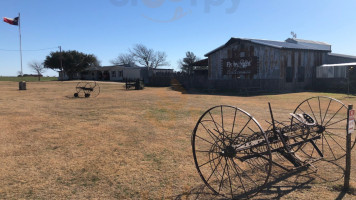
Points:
[(20, 43)]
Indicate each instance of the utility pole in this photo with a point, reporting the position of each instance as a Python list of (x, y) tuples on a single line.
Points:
[(61, 58)]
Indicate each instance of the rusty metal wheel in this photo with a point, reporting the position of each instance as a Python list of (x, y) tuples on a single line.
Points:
[(80, 86), (330, 117), (231, 152), (93, 89)]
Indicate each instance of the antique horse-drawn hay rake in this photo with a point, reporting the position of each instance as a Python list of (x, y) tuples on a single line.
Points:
[(87, 89), (233, 154)]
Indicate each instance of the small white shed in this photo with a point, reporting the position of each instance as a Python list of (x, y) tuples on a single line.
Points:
[(334, 70)]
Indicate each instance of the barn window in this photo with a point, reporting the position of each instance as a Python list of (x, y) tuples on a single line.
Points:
[(113, 73), (289, 74), (120, 74), (289, 60), (229, 53), (301, 74)]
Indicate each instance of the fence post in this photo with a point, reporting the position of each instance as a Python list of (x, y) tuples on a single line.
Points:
[(348, 150)]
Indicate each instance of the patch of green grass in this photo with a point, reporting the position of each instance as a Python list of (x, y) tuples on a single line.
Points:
[(153, 157), (29, 193), (27, 79), (159, 114)]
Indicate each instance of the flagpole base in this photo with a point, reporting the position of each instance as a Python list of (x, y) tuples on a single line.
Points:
[(22, 85)]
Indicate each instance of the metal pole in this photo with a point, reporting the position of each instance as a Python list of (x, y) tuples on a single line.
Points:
[(348, 82), (61, 58), (348, 152), (19, 21)]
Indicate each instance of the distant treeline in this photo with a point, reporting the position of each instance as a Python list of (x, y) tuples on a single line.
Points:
[(31, 75), (28, 78)]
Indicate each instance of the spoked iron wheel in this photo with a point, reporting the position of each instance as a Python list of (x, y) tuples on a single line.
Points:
[(87, 90), (79, 86), (94, 89), (79, 89), (231, 152), (330, 116)]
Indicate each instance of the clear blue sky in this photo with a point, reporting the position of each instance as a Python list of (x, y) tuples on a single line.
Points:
[(107, 28)]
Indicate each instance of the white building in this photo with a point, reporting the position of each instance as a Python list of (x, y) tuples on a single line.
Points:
[(117, 73), (112, 73)]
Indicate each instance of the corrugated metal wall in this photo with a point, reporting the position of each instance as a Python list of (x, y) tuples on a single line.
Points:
[(331, 72), (274, 63)]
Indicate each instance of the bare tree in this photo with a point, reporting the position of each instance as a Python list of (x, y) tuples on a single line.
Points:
[(148, 57), (124, 59), (160, 59), (38, 68)]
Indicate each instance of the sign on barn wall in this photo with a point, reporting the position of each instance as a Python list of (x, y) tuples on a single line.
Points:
[(240, 66)]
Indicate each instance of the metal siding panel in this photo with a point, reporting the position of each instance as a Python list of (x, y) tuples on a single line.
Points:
[(209, 67)]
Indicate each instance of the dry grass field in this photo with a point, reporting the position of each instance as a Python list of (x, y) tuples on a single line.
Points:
[(126, 144)]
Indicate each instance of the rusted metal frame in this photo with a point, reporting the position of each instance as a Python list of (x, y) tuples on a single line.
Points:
[(272, 140), (85, 88), (317, 149), (281, 136), (278, 150)]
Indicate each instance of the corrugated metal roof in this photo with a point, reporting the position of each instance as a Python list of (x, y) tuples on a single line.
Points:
[(342, 55), (310, 41), (276, 44), (286, 45)]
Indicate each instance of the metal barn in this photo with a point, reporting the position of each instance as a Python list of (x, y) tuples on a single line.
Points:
[(291, 64)]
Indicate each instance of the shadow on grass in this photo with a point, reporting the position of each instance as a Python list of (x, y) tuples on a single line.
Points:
[(242, 93), (282, 183), (249, 92), (278, 187), (343, 192), (341, 195)]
